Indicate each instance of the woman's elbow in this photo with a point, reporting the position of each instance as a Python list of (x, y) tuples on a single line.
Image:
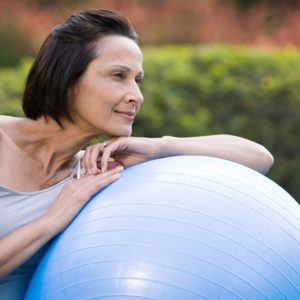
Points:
[(265, 160)]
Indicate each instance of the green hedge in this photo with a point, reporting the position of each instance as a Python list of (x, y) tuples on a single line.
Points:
[(11, 87), (213, 89), (221, 89)]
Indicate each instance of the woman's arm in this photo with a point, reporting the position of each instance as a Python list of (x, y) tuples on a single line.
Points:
[(130, 151), (21, 244), (233, 148)]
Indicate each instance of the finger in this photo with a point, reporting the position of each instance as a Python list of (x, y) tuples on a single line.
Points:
[(89, 161), (117, 169), (112, 147), (86, 188), (100, 181), (105, 158), (111, 164), (104, 182), (85, 181), (108, 142), (85, 161), (95, 154)]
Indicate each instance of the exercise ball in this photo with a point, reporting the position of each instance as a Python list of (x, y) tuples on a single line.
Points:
[(178, 228)]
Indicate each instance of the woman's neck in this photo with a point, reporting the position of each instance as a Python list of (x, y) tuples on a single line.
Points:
[(47, 142)]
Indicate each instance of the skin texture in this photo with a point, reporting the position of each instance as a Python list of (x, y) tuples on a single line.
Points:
[(36, 154), (108, 96)]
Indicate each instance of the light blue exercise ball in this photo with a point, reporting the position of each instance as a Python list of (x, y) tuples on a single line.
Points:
[(178, 228)]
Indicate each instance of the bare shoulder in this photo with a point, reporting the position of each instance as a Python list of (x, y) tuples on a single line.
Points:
[(6, 120), (7, 124), (3, 125)]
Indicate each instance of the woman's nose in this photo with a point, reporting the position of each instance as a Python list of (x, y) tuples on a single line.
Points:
[(135, 94)]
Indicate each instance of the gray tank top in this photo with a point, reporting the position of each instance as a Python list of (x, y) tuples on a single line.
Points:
[(16, 210)]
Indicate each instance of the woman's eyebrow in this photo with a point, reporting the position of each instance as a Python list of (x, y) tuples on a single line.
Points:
[(127, 69)]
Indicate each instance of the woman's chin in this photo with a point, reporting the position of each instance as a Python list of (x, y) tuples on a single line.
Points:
[(121, 133)]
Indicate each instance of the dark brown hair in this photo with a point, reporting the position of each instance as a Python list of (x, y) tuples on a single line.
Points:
[(64, 57)]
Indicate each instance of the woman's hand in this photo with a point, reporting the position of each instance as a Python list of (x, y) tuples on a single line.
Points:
[(123, 151), (75, 195), (18, 246)]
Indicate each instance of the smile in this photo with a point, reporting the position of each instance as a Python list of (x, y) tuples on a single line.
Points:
[(126, 114)]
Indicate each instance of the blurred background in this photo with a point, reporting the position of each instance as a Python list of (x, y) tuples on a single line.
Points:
[(212, 66)]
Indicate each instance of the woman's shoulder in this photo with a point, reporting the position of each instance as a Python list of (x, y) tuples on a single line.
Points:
[(3, 124), (5, 120), (7, 123), (8, 119)]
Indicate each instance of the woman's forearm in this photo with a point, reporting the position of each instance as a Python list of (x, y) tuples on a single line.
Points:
[(224, 146), (21, 244)]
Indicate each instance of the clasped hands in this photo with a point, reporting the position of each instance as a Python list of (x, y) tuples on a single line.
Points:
[(120, 151)]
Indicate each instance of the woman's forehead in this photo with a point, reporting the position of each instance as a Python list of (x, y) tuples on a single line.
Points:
[(115, 46), (116, 51)]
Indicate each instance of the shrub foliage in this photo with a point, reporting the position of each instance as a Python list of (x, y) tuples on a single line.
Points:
[(212, 89), (222, 89)]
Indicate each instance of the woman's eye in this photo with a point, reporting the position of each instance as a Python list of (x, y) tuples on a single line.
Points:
[(139, 80), (119, 75)]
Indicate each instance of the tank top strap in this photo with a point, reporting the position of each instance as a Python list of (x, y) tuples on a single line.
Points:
[(77, 169)]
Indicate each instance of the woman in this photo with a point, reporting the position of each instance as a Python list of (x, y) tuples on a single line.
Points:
[(83, 83)]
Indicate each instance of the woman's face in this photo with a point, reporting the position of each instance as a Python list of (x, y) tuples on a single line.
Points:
[(107, 96)]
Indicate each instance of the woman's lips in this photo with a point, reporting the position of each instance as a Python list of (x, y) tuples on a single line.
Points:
[(126, 114)]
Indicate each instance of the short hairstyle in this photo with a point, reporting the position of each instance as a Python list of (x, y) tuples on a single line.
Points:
[(64, 57)]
